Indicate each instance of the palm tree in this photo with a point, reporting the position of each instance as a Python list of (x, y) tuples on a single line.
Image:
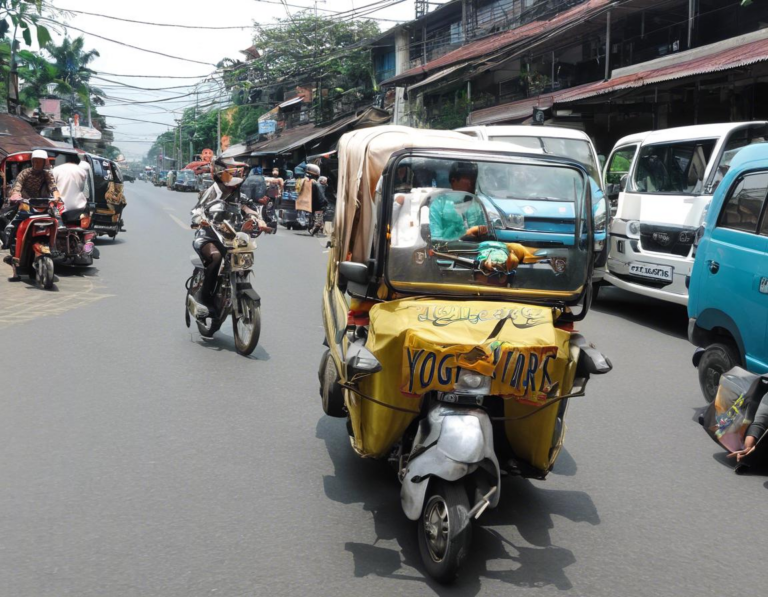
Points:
[(40, 78), (72, 64)]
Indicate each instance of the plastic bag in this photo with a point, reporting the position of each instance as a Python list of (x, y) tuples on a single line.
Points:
[(729, 416)]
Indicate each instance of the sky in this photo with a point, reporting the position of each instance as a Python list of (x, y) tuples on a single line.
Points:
[(200, 49)]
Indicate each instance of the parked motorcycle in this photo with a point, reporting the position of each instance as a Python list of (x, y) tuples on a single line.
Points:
[(234, 293), (74, 241), (36, 240)]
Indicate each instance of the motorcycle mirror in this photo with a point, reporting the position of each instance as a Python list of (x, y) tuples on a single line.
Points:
[(354, 272), (360, 361)]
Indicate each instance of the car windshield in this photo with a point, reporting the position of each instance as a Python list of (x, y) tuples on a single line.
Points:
[(673, 167), (452, 236), (575, 149), (185, 175)]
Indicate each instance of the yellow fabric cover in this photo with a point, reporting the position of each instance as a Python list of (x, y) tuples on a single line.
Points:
[(527, 357)]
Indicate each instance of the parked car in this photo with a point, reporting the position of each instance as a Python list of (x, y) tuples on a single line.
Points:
[(204, 181), (185, 181), (128, 176), (663, 200), (517, 211), (728, 304)]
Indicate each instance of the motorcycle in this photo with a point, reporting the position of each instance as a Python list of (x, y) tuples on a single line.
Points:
[(234, 293), (451, 354), (36, 241), (75, 240)]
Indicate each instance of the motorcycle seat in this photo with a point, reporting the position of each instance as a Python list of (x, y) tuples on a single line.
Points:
[(72, 216)]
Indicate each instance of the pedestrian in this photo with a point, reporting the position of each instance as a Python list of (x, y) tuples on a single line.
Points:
[(318, 199)]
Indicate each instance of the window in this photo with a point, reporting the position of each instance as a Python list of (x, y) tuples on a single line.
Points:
[(621, 161), (674, 167), (737, 140), (575, 149), (745, 203)]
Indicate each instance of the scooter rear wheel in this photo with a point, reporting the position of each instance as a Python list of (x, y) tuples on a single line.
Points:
[(445, 530)]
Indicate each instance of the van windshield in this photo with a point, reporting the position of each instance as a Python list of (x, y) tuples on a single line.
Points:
[(673, 167), (575, 149), (448, 237)]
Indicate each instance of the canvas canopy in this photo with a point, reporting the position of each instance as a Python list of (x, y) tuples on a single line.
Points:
[(363, 155)]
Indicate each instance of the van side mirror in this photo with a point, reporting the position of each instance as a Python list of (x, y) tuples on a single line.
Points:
[(355, 272)]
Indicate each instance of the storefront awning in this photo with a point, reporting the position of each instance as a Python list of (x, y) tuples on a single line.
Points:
[(17, 134)]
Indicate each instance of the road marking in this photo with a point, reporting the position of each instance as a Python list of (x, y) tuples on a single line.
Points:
[(179, 222)]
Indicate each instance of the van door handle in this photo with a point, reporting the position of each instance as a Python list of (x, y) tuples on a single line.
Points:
[(714, 266)]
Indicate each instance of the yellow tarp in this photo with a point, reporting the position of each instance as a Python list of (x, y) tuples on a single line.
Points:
[(422, 343)]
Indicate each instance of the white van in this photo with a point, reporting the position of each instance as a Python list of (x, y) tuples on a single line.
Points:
[(561, 142), (665, 181)]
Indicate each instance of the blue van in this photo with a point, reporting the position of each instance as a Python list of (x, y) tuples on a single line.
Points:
[(728, 287)]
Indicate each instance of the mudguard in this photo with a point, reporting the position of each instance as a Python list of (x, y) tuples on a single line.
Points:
[(452, 443), (250, 293)]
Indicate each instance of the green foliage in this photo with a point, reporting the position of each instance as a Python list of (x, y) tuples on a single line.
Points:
[(451, 112), (24, 15), (308, 48)]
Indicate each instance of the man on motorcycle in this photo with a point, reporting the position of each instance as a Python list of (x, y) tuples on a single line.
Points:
[(206, 244), (37, 181)]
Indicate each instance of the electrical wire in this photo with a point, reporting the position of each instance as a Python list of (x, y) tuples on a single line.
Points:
[(114, 41), (103, 16)]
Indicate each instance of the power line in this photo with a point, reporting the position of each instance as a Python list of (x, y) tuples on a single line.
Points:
[(114, 41), (94, 14)]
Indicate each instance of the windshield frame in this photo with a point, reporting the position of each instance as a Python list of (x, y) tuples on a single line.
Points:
[(381, 248)]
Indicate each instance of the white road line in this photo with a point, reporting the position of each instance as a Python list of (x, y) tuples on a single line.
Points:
[(179, 222)]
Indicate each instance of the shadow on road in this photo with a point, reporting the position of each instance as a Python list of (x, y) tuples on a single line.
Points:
[(106, 241), (69, 271), (664, 317), (224, 343), (535, 562)]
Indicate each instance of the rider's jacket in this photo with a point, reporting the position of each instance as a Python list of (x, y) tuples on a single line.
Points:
[(233, 202)]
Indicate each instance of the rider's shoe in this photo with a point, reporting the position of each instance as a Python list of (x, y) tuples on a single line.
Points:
[(14, 279), (8, 259)]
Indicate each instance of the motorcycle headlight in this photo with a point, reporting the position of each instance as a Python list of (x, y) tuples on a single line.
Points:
[(242, 239), (472, 382)]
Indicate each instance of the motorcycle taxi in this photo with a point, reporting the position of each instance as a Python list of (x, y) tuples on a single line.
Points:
[(452, 354)]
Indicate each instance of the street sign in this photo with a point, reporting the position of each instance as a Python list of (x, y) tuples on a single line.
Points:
[(267, 126)]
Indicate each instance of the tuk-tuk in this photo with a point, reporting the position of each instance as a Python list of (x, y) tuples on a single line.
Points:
[(450, 353), (109, 198)]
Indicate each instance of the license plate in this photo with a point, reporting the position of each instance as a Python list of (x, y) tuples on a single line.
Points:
[(648, 270)]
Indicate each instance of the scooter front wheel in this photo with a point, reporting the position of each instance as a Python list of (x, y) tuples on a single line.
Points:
[(44, 271), (445, 530)]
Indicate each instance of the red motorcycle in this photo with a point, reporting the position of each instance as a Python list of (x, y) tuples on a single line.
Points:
[(36, 240), (74, 242)]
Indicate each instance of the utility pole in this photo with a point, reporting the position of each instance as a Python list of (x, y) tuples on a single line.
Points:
[(175, 156), (88, 105)]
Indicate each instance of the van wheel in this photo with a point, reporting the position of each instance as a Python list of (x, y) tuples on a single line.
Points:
[(716, 360), (330, 390)]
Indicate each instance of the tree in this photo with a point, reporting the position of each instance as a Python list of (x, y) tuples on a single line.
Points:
[(72, 64)]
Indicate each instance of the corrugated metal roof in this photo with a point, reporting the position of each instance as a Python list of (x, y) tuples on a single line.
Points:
[(725, 55), (499, 41), (17, 134), (732, 57)]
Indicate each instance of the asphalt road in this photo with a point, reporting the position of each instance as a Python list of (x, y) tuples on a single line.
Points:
[(137, 459)]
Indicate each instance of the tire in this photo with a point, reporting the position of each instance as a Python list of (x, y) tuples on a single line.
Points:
[(247, 332), (445, 512), (44, 272), (331, 392), (595, 290), (716, 360)]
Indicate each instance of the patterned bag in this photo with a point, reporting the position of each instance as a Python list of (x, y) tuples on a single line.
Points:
[(114, 194)]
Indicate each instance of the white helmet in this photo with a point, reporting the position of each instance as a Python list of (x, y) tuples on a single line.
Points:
[(313, 169), (39, 154)]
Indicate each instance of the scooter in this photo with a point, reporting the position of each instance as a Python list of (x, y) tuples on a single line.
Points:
[(74, 241), (36, 240)]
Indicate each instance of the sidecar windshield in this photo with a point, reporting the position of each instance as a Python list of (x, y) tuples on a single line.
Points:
[(488, 227)]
